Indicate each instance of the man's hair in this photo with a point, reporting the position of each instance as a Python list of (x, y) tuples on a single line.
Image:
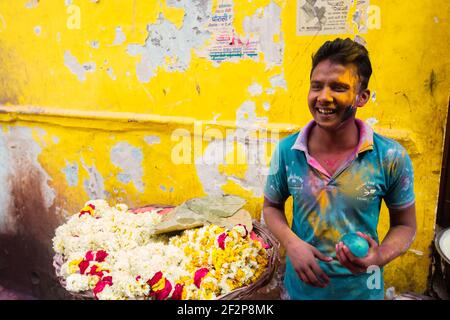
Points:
[(344, 52)]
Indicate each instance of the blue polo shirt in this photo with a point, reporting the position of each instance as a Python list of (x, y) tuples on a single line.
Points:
[(325, 207)]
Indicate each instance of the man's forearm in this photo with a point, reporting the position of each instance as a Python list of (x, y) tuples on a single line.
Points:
[(278, 225), (397, 241)]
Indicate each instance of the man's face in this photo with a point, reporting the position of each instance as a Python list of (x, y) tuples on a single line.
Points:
[(333, 89)]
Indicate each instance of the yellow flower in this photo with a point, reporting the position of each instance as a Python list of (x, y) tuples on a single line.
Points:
[(73, 265)]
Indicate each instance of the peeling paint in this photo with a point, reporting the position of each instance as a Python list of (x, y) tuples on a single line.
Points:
[(129, 159), (278, 81), (55, 139), (71, 172), (152, 140), (76, 68), (210, 177), (31, 4), (95, 44), (94, 186), (270, 91), (266, 106), (268, 26), (255, 89), (110, 73), (120, 36), (374, 96), (166, 42), (246, 115)]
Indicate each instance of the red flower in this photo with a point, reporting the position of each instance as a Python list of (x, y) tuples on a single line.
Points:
[(89, 256), (199, 275), (101, 255), (93, 271), (160, 287), (101, 285), (221, 240), (255, 237), (163, 293), (138, 278), (83, 265), (178, 292), (108, 280), (155, 279)]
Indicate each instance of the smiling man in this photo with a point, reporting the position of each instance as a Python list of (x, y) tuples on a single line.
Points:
[(338, 171)]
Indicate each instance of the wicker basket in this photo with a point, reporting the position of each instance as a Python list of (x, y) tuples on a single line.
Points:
[(242, 293)]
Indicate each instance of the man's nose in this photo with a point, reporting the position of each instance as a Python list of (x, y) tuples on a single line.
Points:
[(325, 96)]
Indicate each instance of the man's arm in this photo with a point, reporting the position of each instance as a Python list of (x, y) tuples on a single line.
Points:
[(399, 238), (277, 223), (302, 255), (401, 234)]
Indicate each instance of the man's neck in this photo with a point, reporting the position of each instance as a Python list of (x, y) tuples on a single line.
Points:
[(334, 141)]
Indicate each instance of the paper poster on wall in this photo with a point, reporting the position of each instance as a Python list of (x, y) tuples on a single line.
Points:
[(322, 17), (226, 44)]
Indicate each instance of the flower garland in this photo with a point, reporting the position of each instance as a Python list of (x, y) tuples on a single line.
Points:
[(113, 252)]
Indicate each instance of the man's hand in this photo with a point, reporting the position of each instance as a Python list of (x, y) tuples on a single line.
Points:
[(303, 258), (398, 239), (302, 254), (359, 265)]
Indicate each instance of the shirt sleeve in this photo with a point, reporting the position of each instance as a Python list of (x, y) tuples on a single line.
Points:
[(276, 188), (400, 192)]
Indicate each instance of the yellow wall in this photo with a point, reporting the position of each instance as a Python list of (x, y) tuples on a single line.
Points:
[(90, 104)]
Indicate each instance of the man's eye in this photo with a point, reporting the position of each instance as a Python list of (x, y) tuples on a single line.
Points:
[(339, 88), (315, 87)]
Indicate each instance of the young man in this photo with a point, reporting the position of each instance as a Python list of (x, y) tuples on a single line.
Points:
[(338, 171)]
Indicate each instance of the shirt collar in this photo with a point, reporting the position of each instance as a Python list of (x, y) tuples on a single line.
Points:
[(365, 137)]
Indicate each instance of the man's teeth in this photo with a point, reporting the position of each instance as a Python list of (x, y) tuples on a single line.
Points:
[(326, 111)]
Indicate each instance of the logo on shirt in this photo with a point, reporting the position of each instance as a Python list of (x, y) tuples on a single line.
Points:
[(366, 191), (295, 182)]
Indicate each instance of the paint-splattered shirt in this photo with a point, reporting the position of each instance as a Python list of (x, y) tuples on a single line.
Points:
[(325, 207)]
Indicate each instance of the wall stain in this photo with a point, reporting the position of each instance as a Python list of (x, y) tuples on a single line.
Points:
[(26, 255), (432, 82)]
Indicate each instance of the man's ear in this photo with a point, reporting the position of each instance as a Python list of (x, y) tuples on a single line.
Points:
[(362, 98)]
